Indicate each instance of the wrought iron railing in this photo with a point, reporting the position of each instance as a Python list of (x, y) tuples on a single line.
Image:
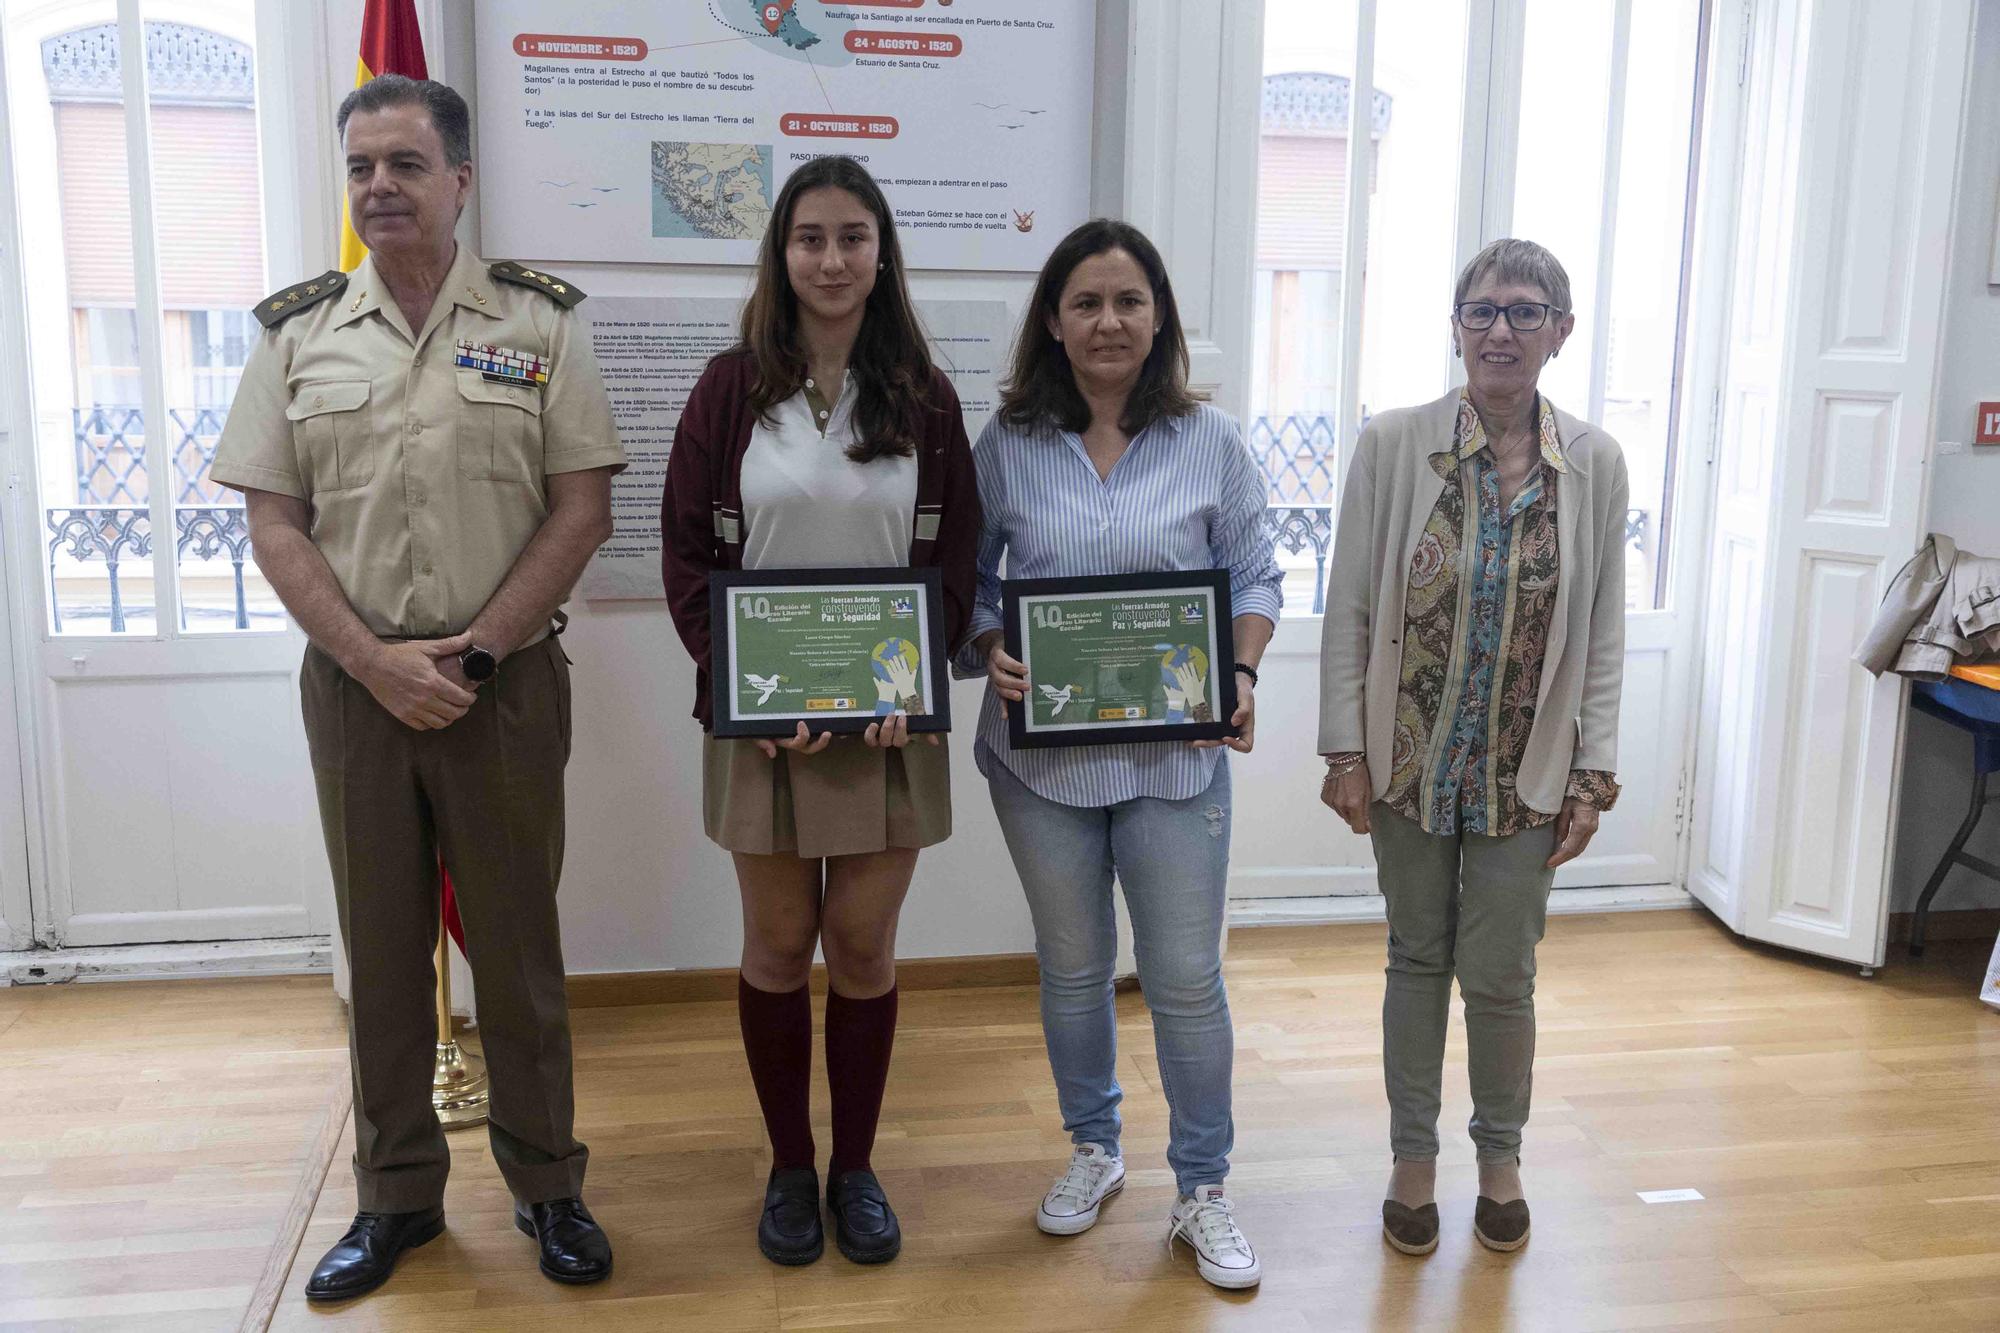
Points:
[(111, 454), (1295, 529), (1299, 455), (112, 534)]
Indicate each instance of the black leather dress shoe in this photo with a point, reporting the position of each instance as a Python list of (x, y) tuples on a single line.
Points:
[(789, 1232), (864, 1226), (366, 1255), (574, 1248)]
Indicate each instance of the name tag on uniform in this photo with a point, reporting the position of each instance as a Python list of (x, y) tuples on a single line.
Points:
[(504, 365)]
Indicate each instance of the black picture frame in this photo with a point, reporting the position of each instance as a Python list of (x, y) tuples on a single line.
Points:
[(1017, 596), (936, 669)]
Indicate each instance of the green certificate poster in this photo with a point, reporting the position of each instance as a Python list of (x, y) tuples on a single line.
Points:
[(834, 649), (1122, 658)]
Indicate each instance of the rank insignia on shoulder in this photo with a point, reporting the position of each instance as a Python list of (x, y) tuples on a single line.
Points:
[(503, 365), (282, 304), (560, 290)]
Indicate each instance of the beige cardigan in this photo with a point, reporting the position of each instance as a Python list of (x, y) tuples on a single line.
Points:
[(1390, 492)]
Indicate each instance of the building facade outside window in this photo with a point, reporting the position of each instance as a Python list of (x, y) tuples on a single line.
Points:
[(93, 427), (1608, 195)]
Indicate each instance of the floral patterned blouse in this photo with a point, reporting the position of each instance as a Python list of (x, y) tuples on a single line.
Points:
[(1482, 594)]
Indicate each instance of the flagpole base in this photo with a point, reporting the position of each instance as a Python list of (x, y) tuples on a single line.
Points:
[(458, 1087)]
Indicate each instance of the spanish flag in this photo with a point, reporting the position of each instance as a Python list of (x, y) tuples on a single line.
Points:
[(390, 44)]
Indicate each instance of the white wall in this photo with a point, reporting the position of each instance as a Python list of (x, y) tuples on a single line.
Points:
[(1964, 489), (643, 888)]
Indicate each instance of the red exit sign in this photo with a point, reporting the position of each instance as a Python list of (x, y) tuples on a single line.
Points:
[(1988, 429)]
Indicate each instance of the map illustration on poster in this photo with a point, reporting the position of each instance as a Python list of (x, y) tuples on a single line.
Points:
[(648, 132)]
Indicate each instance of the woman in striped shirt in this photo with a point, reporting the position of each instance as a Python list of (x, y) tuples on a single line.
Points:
[(1101, 462)]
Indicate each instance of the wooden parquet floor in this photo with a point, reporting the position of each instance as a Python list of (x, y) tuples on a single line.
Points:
[(1844, 1134)]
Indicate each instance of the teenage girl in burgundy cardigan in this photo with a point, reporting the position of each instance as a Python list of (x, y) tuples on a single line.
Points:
[(824, 438)]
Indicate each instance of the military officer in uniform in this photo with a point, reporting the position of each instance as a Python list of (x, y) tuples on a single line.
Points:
[(426, 451)]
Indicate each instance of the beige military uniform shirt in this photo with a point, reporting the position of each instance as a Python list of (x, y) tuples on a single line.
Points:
[(426, 477)]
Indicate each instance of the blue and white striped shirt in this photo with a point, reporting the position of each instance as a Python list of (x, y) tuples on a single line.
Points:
[(1185, 495)]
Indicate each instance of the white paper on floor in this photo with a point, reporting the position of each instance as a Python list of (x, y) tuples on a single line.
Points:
[(1669, 1196)]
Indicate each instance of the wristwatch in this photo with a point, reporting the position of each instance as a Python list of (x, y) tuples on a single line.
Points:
[(478, 664)]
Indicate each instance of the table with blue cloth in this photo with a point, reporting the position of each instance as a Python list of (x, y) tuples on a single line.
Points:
[(1967, 703)]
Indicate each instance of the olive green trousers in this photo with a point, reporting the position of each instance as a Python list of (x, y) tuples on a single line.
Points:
[(486, 795), (1472, 907)]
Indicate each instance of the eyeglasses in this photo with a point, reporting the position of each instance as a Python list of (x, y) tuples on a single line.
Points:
[(1522, 316)]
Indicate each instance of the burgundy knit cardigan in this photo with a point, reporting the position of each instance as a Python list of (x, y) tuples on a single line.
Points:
[(701, 506)]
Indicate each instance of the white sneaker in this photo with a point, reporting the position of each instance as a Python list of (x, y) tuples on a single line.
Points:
[(1206, 1223), (1094, 1175)]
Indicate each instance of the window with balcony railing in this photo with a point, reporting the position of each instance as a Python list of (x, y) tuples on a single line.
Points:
[(129, 404), (1363, 207)]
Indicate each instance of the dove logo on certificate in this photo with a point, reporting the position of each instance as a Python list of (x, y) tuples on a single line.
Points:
[(838, 649), (1121, 657)]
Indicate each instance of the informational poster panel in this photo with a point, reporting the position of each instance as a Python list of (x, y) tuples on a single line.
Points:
[(970, 341), (633, 130), (652, 349)]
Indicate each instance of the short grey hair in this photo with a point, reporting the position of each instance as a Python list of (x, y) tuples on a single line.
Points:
[(1512, 260), (440, 101)]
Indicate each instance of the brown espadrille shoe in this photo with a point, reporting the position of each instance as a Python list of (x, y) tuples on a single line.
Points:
[(1500, 1226), (1411, 1230)]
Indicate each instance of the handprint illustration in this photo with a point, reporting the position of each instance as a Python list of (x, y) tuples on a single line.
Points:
[(894, 662), (1184, 678)]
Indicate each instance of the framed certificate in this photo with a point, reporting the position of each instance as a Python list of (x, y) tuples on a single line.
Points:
[(836, 649), (1121, 657)]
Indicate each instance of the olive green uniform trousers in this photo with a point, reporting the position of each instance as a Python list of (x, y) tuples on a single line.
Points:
[(486, 794)]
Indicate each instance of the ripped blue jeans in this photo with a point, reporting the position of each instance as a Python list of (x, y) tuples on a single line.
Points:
[(1172, 857)]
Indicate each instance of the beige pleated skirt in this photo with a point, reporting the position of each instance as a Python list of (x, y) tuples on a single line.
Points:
[(848, 799)]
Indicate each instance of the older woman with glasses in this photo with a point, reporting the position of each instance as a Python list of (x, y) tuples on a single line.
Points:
[(1470, 665)]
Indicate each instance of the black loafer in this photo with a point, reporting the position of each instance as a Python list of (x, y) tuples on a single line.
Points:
[(574, 1248), (864, 1226), (366, 1255), (789, 1232), (1500, 1226)]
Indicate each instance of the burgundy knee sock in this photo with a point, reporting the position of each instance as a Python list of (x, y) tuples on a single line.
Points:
[(777, 1038), (859, 1036)]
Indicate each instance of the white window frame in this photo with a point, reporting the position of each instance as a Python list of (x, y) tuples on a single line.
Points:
[(294, 148), (280, 30), (1495, 42)]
